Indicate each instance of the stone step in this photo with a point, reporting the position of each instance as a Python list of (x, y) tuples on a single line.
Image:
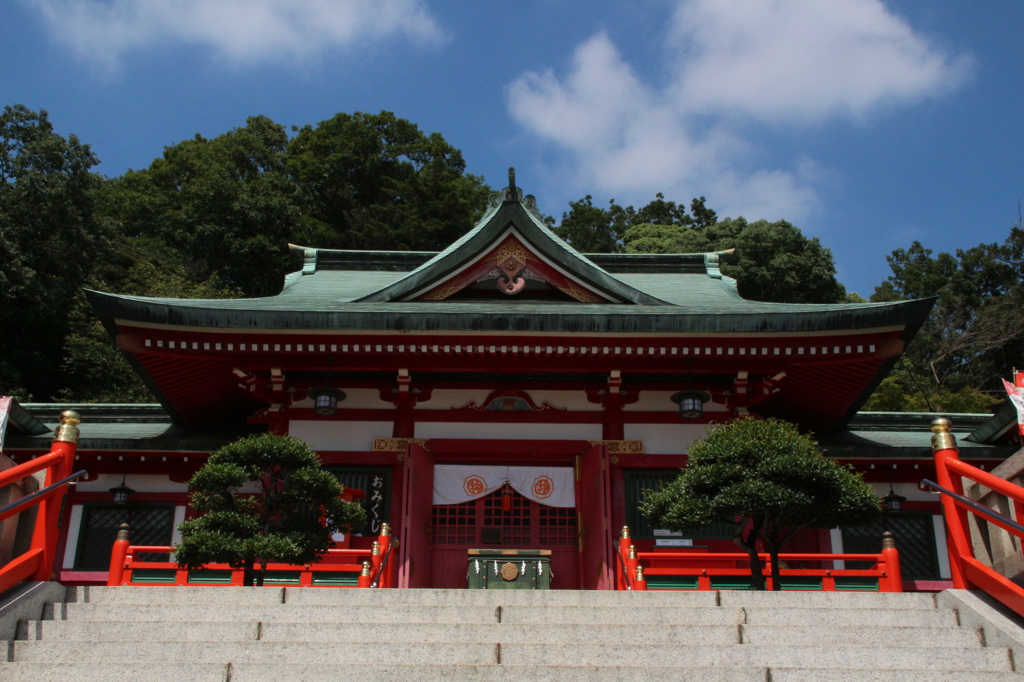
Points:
[(375, 633), (867, 635), (311, 595), (825, 600), (255, 652), (275, 612), (748, 656), (314, 595), (399, 613), (517, 673), (485, 653), (134, 672), (119, 631), (926, 618), (122, 672)]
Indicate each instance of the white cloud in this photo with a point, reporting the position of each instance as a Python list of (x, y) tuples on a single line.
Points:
[(803, 59), (104, 31), (797, 62)]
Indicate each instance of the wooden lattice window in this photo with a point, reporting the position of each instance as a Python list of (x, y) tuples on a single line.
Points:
[(455, 524), (526, 524)]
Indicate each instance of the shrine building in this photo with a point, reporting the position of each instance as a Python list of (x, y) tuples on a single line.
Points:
[(505, 393)]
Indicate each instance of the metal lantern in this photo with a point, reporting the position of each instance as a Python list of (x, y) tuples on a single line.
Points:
[(893, 503), (325, 400), (121, 493), (691, 403)]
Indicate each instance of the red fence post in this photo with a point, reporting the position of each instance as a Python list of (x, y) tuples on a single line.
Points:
[(640, 583), (385, 542), (118, 555), (44, 536), (958, 540), (891, 556), (364, 576), (625, 542)]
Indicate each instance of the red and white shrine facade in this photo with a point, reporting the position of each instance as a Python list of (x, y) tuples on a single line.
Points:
[(507, 392)]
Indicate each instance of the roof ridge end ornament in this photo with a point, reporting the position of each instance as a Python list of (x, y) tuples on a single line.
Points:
[(514, 193)]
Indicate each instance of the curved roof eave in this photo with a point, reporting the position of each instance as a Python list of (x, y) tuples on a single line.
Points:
[(743, 316)]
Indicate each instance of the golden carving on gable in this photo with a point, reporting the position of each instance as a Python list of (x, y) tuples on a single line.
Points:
[(443, 293), (512, 250), (396, 444), (581, 294), (621, 447)]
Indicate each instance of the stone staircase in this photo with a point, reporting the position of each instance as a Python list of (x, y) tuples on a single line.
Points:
[(256, 634)]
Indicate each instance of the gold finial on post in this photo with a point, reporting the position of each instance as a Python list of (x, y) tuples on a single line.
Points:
[(943, 438), (639, 572), (366, 569), (67, 432), (385, 529), (888, 541), (625, 532), (632, 552), (375, 550)]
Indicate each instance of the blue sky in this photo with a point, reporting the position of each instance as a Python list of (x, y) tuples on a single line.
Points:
[(867, 123)]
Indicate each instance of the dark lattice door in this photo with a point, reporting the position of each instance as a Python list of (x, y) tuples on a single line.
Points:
[(149, 526), (915, 539)]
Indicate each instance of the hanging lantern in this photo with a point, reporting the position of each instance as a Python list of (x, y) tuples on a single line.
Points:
[(325, 400), (121, 493), (691, 403), (893, 503)]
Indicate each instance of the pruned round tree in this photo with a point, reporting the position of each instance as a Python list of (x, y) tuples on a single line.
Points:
[(289, 520), (770, 480)]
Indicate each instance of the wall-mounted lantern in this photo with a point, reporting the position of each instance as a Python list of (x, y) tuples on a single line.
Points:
[(691, 403), (325, 400)]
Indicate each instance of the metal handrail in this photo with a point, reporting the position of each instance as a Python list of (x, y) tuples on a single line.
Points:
[(979, 508), (29, 500), (384, 563)]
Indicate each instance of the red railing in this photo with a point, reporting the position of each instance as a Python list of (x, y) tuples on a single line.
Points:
[(337, 568), (703, 571), (967, 572), (37, 562)]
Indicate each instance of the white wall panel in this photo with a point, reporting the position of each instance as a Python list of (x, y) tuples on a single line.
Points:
[(665, 439), (509, 431), (339, 435)]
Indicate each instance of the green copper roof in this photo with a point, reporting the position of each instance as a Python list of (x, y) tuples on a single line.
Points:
[(370, 291)]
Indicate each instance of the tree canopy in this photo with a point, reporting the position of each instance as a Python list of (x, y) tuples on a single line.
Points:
[(50, 240), (772, 261), (975, 335), (770, 480), (376, 181), (290, 520), (592, 229)]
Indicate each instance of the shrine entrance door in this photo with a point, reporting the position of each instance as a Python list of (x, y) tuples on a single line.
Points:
[(494, 523)]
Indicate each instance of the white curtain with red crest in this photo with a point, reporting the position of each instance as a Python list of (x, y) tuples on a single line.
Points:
[(457, 483)]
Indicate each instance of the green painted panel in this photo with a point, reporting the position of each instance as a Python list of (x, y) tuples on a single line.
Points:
[(857, 584), (282, 578), (336, 579), (671, 582), (801, 584), (207, 577), (730, 582), (153, 575)]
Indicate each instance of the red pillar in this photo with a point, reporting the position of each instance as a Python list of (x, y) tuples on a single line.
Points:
[(958, 540)]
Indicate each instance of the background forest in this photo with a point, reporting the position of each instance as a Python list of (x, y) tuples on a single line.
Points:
[(212, 218)]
